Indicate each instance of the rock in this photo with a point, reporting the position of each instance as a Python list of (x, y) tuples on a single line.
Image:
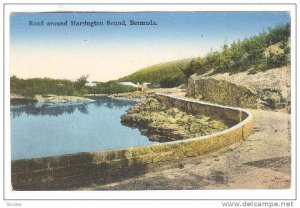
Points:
[(280, 105), (59, 98), (181, 166), (162, 122)]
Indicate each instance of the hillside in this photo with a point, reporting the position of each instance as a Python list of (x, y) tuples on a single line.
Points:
[(169, 74), (258, 53), (270, 49), (253, 73)]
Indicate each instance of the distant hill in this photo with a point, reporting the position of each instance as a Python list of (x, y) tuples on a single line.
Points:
[(169, 74)]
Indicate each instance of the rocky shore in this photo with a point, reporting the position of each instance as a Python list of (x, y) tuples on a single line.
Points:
[(60, 99), (162, 123)]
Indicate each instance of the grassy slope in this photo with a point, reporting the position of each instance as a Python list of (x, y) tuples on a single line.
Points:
[(167, 74)]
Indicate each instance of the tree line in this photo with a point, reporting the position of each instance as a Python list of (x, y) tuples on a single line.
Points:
[(44, 86)]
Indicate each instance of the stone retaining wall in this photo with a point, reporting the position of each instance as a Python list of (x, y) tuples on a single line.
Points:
[(83, 169), (222, 92)]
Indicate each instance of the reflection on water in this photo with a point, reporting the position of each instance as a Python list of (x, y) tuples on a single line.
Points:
[(55, 109), (49, 129)]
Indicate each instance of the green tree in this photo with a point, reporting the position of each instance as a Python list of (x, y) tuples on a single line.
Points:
[(80, 84)]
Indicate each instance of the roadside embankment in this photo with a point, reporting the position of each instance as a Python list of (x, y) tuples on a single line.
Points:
[(264, 90)]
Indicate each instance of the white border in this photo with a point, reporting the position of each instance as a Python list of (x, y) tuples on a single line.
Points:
[(181, 194)]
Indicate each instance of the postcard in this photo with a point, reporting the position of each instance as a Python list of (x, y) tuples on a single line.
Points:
[(153, 98)]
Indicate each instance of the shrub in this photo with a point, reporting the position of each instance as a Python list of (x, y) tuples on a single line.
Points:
[(277, 60), (260, 67)]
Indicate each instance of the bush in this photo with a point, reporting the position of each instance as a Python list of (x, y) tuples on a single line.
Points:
[(260, 67), (110, 87), (277, 60)]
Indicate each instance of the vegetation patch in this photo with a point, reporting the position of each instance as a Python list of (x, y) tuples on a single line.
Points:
[(255, 54), (44, 86), (170, 74)]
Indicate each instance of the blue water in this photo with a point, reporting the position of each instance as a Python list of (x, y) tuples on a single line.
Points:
[(40, 130)]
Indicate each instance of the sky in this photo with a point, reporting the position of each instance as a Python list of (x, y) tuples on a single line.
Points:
[(109, 52)]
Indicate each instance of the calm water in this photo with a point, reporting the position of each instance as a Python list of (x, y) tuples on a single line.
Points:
[(40, 130)]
